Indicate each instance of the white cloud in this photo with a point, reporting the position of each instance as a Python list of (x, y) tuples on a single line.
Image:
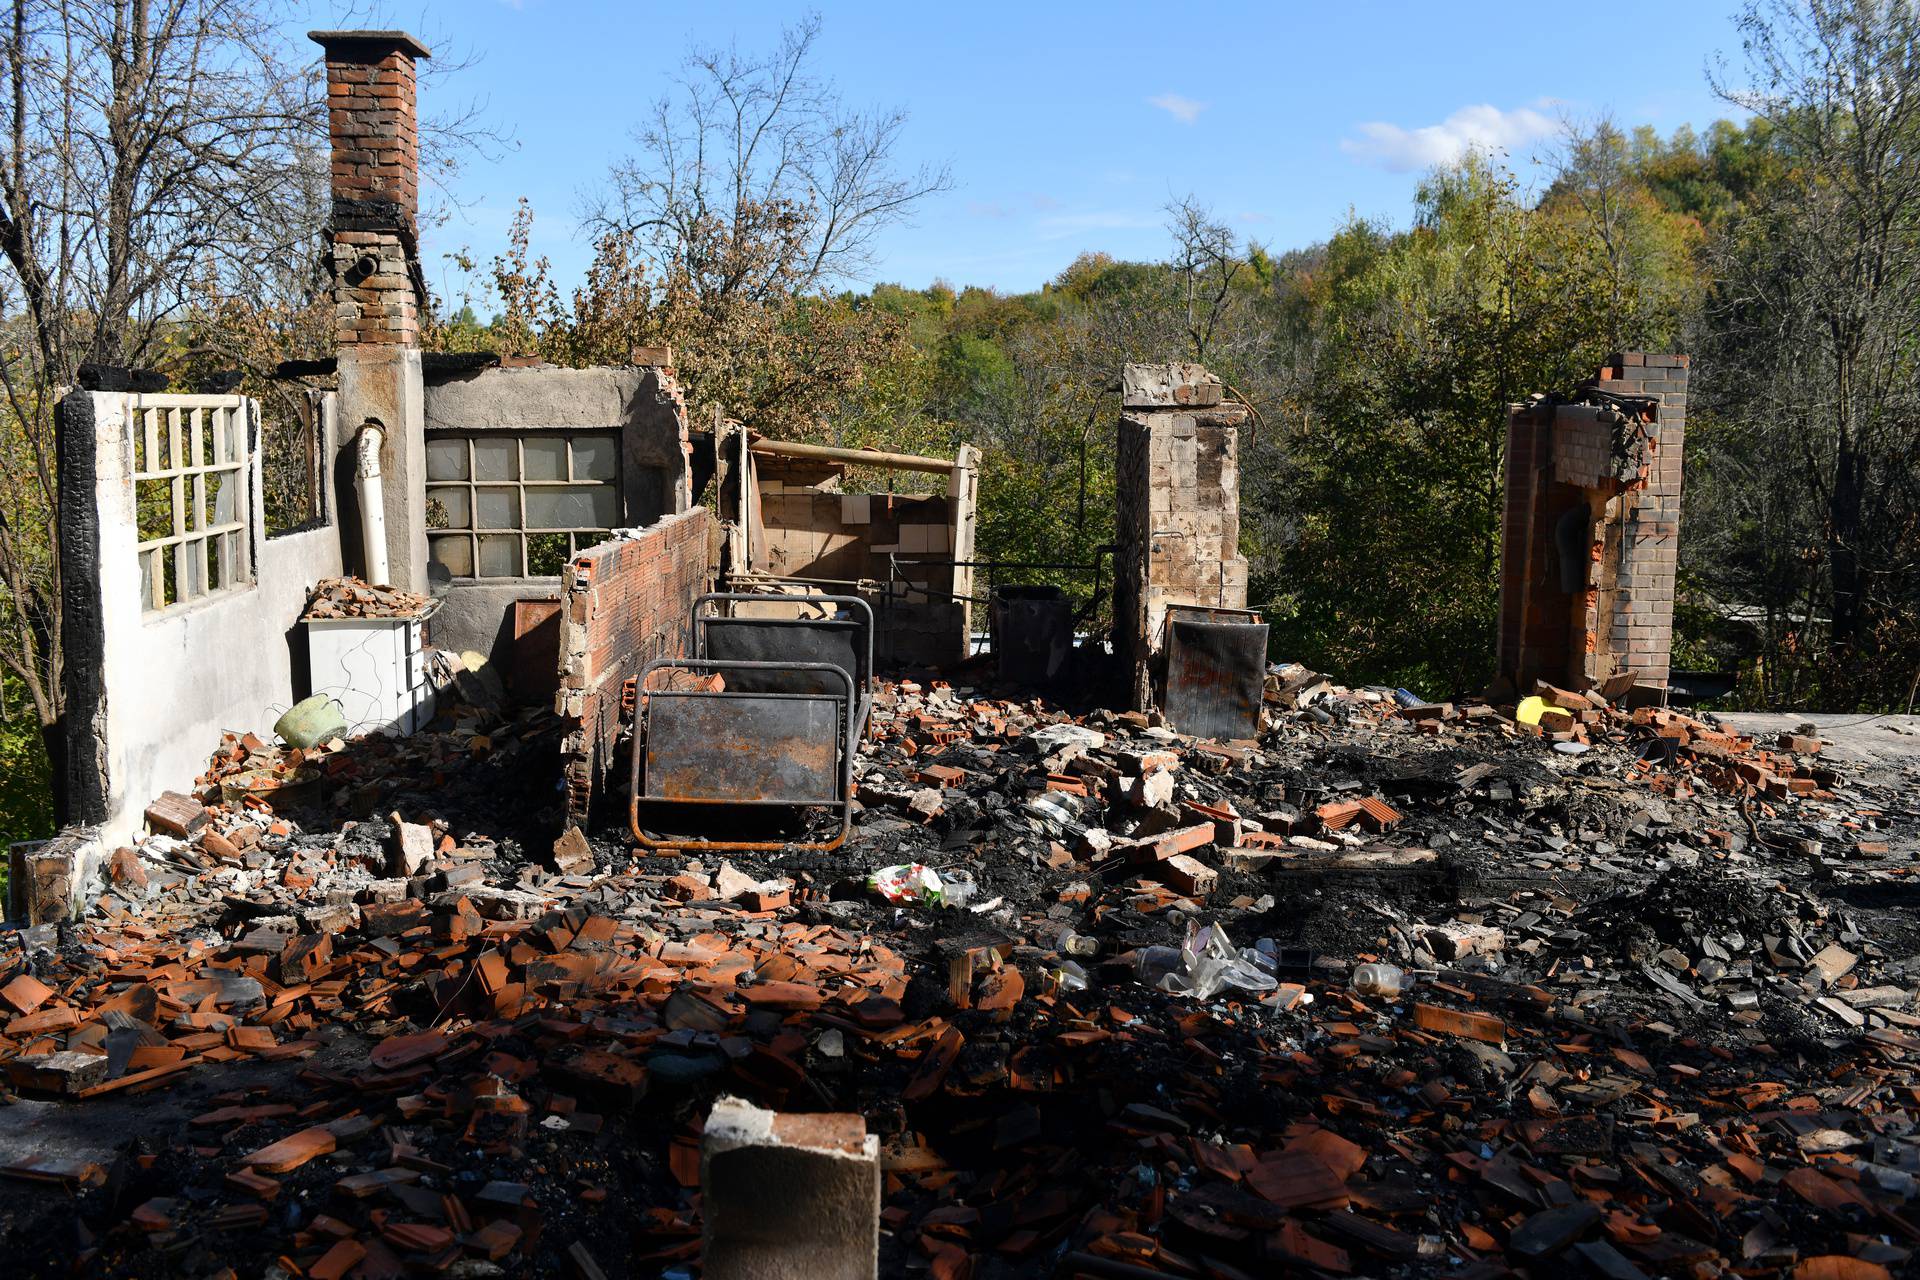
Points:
[(1185, 110), (1479, 128)]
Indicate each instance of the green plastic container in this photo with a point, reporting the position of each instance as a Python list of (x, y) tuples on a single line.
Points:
[(311, 722)]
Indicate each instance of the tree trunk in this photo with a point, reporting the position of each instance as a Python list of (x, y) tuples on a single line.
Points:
[(1844, 511)]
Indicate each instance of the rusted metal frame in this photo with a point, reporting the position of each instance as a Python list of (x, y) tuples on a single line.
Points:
[(763, 597), (862, 696), (845, 741), (1203, 694)]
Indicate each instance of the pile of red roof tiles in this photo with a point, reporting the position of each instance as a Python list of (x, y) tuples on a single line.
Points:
[(1636, 1037)]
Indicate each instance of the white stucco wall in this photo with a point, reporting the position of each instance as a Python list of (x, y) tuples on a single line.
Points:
[(178, 678)]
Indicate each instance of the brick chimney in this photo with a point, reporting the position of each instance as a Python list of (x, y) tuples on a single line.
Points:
[(379, 290), (1590, 537), (378, 287)]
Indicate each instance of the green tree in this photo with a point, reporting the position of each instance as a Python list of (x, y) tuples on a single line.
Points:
[(1418, 342), (1811, 328)]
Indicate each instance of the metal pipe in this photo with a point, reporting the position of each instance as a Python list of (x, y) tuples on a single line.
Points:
[(373, 508), (853, 457)]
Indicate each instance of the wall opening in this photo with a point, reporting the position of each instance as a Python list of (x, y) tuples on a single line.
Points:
[(191, 499), (503, 505)]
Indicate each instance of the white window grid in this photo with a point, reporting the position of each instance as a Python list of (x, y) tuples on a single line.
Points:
[(190, 473), (470, 547)]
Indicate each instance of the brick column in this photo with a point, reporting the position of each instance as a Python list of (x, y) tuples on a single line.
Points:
[(1642, 623), (1591, 527), (378, 287), (1177, 509)]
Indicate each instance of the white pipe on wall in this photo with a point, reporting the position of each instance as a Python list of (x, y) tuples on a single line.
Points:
[(373, 510)]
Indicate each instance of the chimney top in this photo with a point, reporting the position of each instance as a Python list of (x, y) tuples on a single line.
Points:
[(370, 44)]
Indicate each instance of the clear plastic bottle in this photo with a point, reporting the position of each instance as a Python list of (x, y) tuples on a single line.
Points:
[(1068, 976), (958, 888), (1380, 980)]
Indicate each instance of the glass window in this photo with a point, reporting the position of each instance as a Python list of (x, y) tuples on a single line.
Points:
[(596, 458), (496, 508), (447, 459), (454, 554), (532, 500), (454, 510), (496, 458), (499, 555), (546, 457)]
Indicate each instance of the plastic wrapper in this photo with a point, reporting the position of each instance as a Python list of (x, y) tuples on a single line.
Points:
[(909, 884), (1205, 965)]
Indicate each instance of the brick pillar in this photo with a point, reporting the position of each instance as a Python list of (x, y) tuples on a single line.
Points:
[(1641, 630), (378, 288), (1177, 509), (376, 185), (1591, 527)]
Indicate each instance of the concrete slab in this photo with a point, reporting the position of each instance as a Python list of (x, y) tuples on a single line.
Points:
[(1886, 739)]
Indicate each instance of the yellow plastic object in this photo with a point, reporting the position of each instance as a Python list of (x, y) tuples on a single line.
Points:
[(1530, 710)]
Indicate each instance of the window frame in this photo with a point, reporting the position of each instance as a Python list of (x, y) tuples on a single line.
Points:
[(198, 452), (578, 536)]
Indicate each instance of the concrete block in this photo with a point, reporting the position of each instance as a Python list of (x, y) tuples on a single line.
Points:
[(1150, 386), (789, 1196)]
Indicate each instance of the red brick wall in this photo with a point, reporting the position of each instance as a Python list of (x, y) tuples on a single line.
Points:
[(625, 603), (1533, 612), (1557, 458)]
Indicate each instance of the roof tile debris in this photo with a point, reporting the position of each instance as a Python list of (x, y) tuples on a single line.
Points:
[(334, 598), (1628, 1009)]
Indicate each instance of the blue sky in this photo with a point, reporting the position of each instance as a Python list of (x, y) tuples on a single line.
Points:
[(1069, 126)]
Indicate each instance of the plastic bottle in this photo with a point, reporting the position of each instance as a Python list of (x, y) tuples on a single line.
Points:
[(1068, 976), (1380, 980), (958, 888)]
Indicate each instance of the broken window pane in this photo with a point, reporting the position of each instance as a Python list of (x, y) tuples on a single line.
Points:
[(546, 457), (577, 506), (454, 554), (224, 488), (446, 459), (596, 458), (500, 555), (495, 509), (546, 554), (454, 510)]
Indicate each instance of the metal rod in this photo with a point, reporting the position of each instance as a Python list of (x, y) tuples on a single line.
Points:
[(855, 457)]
